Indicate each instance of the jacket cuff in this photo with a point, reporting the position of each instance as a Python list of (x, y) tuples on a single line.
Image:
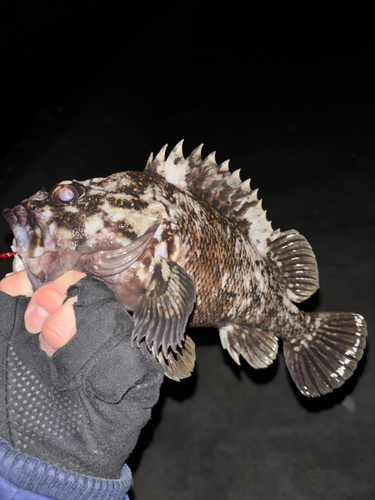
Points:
[(41, 478)]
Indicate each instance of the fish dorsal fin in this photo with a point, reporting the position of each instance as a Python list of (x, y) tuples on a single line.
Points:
[(289, 253), (293, 262), (218, 187)]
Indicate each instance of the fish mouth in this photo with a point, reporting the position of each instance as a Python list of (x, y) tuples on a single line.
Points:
[(27, 234), (36, 252), (39, 253)]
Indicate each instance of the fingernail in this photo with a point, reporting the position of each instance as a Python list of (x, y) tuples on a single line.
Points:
[(46, 347), (35, 318)]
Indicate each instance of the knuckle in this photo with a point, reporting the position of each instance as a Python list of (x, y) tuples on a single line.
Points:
[(49, 297), (59, 328), (52, 334)]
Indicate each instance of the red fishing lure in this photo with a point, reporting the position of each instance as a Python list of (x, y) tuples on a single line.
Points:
[(5, 255)]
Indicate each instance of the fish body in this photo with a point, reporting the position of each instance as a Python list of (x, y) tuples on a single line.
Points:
[(187, 243)]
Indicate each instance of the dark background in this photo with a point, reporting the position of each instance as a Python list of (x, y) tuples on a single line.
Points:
[(287, 92)]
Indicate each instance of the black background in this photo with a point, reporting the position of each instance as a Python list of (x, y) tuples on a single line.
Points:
[(286, 91)]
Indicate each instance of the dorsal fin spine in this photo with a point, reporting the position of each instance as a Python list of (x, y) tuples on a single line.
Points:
[(150, 160), (236, 174), (196, 154), (218, 187), (246, 185), (178, 150), (210, 159), (224, 166), (161, 155)]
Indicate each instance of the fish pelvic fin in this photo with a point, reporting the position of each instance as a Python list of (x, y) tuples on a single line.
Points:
[(294, 264), (162, 315), (180, 365), (327, 354), (258, 347)]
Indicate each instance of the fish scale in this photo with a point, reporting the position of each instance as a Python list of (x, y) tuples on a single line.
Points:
[(224, 249), (207, 270), (187, 243)]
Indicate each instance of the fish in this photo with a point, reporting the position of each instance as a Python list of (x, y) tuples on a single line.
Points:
[(186, 243)]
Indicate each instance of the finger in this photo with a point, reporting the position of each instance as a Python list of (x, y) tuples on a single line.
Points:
[(47, 299), (17, 284), (58, 328)]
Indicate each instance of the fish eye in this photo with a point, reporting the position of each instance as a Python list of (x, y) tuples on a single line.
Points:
[(65, 194)]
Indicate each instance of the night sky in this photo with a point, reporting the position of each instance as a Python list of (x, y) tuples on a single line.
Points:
[(286, 91)]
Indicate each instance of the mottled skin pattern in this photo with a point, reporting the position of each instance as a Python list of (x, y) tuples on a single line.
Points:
[(234, 284), (172, 258)]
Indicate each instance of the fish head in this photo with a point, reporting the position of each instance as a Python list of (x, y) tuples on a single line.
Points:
[(69, 226)]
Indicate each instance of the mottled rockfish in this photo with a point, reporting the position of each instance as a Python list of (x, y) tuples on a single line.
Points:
[(187, 243)]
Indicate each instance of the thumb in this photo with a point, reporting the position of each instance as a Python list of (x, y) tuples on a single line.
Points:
[(58, 328)]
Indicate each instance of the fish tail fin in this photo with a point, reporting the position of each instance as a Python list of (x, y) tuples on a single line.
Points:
[(328, 353)]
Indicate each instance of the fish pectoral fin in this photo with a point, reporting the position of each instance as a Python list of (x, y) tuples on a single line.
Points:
[(162, 315), (258, 347), (328, 353), (294, 264), (181, 364)]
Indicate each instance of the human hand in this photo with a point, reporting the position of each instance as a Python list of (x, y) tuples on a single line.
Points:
[(47, 313), (82, 408)]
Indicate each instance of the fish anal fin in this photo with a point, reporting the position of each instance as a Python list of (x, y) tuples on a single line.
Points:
[(165, 308), (327, 354), (179, 365), (293, 262), (258, 347)]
